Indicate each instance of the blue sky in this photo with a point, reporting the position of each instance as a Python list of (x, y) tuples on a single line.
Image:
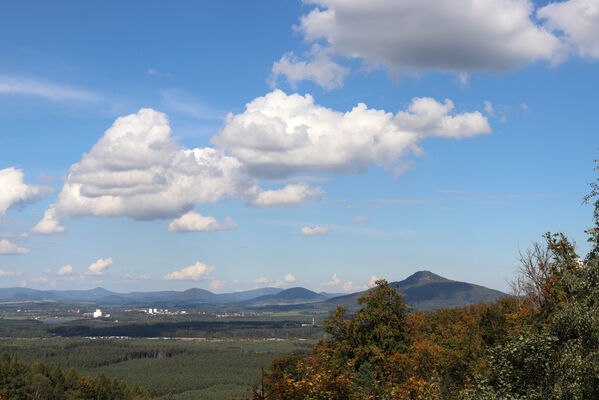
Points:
[(243, 157)]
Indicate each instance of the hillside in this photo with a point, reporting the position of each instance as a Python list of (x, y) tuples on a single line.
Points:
[(297, 295), (422, 290), (426, 291)]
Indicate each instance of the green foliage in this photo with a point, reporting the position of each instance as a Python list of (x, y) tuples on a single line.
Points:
[(210, 370), (543, 346), (594, 231), (19, 380), (556, 354)]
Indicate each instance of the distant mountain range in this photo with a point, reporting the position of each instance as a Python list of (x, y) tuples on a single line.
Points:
[(422, 291)]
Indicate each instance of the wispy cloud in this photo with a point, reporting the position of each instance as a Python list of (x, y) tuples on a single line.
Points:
[(160, 74), (9, 273), (7, 247), (179, 101), (11, 85), (468, 195), (298, 179), (315, 231), (403, 201)]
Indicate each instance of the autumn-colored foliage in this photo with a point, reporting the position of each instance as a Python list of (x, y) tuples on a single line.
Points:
[(542, 343), (383, 352)]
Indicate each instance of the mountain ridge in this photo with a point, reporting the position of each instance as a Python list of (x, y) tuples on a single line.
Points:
[(423, 290), (426, 291)]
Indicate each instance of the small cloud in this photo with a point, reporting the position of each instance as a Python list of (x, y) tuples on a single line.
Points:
[(290, 195), (7, 247), (525, 107), (261, 280), (14, 189), (277, 284), (319, 68), (315, 231), (333, 282), (489, 108), (49, 224), (46, 178), (195, 222), (194, 272), (463, 78), (371, 283), (99, 266), (9, 273), (402, 168), (128, 278), (155, 72), (361, 218), (289, 278), (216, 284), (349, 287), (39, 280), (65, 270)]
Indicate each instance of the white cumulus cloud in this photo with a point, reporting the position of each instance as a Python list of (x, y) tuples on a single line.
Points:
[(333, 282), (280, 134), (361, 218), (49, 224), (290, 195), (99, 267), (195, 222), (137, 170), (65, 270), (15, 191), (216, 284), (315, 231), (290, 278), (371, 282), (7, 247), (319, 68), (194, 272), (579, 22), (407, 36)]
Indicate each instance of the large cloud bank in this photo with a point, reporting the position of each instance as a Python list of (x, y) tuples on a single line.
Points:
[(413, 36), (137, 170), (280, 134)]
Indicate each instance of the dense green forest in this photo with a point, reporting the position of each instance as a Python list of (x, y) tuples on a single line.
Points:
[(192, 328), (187, 369), (541, 343), (19, 380)]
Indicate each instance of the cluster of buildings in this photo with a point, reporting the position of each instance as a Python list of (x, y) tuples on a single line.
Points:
[(228, 315), (155, 311), (98, 314)]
